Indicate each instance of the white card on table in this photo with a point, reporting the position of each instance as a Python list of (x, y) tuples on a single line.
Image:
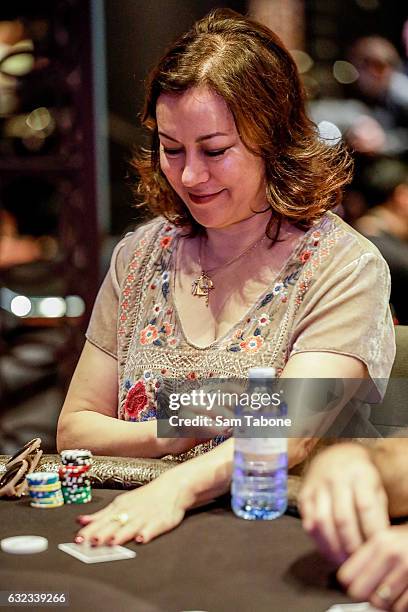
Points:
[(353, 607), (96, 554)]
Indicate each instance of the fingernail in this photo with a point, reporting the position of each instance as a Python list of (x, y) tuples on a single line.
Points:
[(79, 539), (139, 539)]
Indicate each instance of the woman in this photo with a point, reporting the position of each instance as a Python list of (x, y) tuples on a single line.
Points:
[(247, 268)]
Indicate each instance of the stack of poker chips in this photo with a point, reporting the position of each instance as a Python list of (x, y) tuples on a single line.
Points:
[(45, 490), (76, 483)]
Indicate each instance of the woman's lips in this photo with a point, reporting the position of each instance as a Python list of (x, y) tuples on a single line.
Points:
[(205, 198)]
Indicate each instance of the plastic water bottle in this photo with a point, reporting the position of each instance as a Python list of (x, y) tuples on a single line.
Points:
[(259, 481)]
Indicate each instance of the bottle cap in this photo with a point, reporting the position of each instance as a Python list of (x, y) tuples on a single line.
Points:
[(24, 545), (256, 373)]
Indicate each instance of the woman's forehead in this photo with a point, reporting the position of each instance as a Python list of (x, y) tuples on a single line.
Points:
[(194, 109)]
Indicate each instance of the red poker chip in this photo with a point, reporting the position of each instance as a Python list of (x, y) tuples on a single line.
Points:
[(70, 470)]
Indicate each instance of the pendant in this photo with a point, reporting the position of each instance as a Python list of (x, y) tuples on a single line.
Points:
[(202, 286)]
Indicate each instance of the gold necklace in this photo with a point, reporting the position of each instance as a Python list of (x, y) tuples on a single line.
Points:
[(202, 285)]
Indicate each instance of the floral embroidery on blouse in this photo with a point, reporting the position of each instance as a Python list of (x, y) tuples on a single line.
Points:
[(159, 327), (253, 343), (255, 336), (141, 398), (166, 241)]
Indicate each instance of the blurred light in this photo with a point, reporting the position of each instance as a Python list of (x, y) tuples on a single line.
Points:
[(20, 306), (41, 306), (303, 60), (368, 5), (329, 132), (75, 306), (23, 45), (344, 72), (52, 307), (17, 65), (39, 119)]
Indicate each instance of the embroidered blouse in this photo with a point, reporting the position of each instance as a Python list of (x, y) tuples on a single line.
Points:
[(331, 296)]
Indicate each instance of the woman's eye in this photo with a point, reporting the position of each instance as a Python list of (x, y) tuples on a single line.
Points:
[(171, 151), (216, 153)]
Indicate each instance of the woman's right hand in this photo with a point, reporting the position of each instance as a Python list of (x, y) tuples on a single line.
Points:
[(342, 501), (140, 515)]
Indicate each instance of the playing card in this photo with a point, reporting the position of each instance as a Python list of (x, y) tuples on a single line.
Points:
[(96, 554), (353, 607)]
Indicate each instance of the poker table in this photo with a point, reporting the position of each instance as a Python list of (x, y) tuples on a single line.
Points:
[(212, 562)]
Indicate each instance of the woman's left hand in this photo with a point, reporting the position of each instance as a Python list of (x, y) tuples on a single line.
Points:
[(378, 570), (140, 515)]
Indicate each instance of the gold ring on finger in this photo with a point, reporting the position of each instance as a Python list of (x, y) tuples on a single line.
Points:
[(122, 518), (384, 593)]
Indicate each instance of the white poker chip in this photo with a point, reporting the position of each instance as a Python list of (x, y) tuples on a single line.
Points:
[(24, 545)]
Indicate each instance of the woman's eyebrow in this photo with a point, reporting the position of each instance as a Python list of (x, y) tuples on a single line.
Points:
[(200, 139)]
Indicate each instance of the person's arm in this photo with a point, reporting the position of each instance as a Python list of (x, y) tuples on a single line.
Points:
[(89, 416), (390, 457), (160, 506), (304, 365)]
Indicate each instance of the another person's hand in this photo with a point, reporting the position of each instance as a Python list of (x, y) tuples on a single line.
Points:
[(378, 571), (140, 515), (342, 501)]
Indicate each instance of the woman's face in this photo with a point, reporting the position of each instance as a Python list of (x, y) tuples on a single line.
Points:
[(203, 158)]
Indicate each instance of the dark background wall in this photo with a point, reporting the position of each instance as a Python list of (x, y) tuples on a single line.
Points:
[(137, 33)]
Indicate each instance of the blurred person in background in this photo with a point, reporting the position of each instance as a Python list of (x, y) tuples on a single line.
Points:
[(373, 117), (385, 184)]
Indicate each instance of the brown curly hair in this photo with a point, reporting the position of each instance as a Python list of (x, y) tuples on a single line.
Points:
[(246, 63)]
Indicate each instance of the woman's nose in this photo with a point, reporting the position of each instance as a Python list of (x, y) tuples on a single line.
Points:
[(194, 173)]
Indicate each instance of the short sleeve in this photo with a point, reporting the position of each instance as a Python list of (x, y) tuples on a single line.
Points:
[(102, 328), (347, 311)]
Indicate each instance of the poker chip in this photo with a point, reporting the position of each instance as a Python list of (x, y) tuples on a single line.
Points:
[(69, 499), (42, 478), (45, 491), (77, 489), (56, 504), (45, 488), (76, 474), (48, 502), (46, 495), (24, 545), (76, 457), (75, 481)]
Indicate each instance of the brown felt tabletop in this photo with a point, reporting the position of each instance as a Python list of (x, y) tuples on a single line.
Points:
[(213, 562)]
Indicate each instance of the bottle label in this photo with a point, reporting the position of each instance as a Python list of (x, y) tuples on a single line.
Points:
[(261, 446)]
